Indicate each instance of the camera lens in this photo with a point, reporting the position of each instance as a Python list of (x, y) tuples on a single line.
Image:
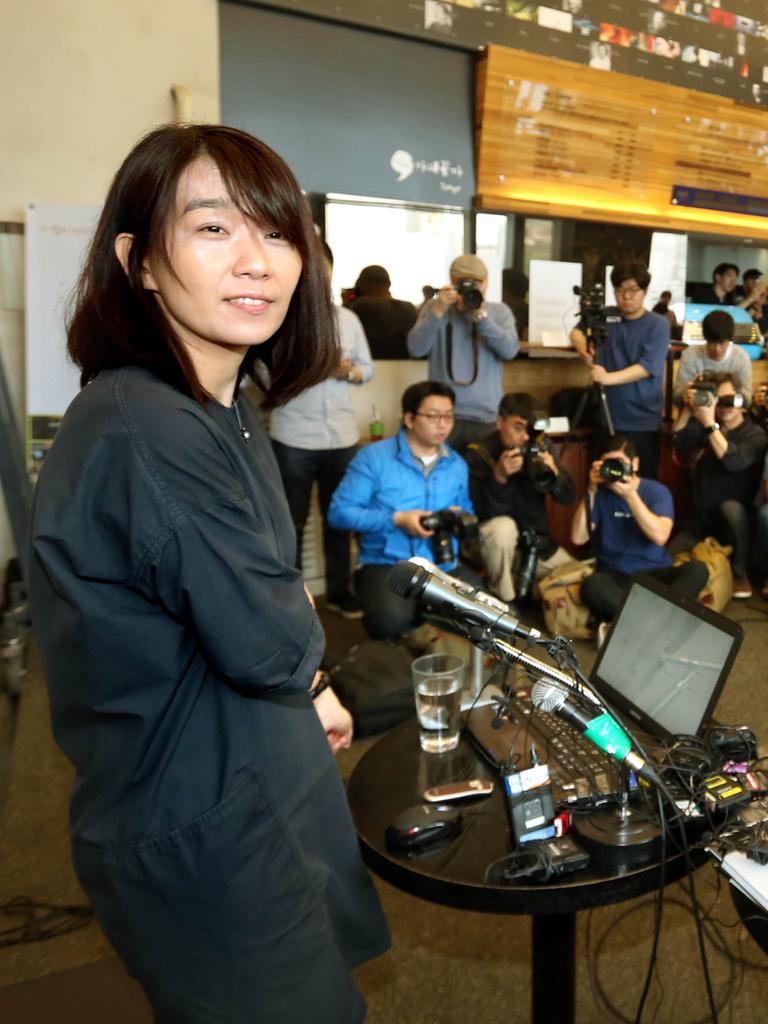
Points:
[(614, 469)]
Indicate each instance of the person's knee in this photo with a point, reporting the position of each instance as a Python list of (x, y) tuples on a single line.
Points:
[(385, 618), (733, 511), (590, 590), (695, 576), (501, 532)]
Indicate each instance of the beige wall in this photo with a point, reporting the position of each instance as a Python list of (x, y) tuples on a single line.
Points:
[(82, 80)]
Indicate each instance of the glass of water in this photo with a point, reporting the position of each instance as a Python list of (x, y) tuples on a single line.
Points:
[(437, 684)]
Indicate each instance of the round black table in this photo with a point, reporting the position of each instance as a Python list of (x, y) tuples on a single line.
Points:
[(393, 775)]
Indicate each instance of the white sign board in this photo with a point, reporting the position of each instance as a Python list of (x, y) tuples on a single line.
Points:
[(57, 236), (668, 267), (553, 306)]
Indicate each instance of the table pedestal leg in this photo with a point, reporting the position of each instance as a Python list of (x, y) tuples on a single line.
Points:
[(553, 968)]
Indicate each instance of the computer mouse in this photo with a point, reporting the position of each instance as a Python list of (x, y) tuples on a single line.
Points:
[(422, 825)]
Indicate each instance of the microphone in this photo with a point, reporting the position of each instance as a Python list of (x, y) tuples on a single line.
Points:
[(456, 584), (457, 600), (600, 728)]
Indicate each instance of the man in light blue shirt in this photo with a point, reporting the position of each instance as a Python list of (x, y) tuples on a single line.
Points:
[(314, 437), (467, 340)]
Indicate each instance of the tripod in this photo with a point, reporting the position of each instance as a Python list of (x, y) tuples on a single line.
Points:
[(594, 394)]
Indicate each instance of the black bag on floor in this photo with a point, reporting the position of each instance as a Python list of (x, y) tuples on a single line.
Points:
[(373, 681)]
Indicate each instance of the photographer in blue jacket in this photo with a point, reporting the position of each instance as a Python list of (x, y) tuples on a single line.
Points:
[(407, 495)]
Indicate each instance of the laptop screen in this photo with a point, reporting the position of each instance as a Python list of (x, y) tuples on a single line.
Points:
[(665, 660)]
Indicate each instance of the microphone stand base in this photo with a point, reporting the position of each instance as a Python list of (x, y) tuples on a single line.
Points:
[(618, 840)]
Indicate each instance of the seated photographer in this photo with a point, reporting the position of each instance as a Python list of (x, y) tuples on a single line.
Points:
[(629, 363), (718, 354), (630, 520), (467, 340), (726, 450), (404, 496), (509, 479)]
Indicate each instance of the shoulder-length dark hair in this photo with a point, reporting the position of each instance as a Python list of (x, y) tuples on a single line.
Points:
[(115, 321)]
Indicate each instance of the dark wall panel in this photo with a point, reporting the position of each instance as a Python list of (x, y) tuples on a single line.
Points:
[(351, 111), (716, 46)]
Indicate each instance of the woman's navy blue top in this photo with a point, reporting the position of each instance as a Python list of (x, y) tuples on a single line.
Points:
[(179, 646)]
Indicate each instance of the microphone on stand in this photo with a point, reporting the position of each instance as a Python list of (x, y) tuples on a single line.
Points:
[(598, 726), (464, 604), (460, 585)]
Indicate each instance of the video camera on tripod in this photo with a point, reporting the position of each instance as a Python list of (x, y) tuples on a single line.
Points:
[(594, 313)]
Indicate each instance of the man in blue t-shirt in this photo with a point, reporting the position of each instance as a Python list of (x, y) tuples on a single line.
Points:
[(630, 520), (629, 364)]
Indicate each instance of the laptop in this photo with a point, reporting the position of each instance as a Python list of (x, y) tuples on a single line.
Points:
[(662, 667), (665, 661)]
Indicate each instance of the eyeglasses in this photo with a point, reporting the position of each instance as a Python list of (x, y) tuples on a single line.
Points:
[(628, 291), (436, 417)]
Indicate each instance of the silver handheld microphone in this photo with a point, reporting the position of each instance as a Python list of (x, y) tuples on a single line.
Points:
[(459, 601), (597, 725)]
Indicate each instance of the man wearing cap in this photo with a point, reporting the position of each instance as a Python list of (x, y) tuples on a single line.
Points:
[(467, 339), (386, 321)]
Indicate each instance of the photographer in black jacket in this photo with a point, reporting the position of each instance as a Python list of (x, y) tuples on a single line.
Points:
[(726, 450), (509, 480)]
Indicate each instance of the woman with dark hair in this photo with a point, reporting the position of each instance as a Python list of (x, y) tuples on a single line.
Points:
[(209, 826)]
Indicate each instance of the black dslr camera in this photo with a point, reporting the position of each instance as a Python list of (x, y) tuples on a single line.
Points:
[(470, 294), (447, 524), (612, 470), (539, 473), (704, 392)]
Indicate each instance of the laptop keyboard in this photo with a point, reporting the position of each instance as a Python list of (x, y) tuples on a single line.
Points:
[(580, 772)]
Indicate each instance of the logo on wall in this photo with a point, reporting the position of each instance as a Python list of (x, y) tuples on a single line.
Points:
[(404, 165)]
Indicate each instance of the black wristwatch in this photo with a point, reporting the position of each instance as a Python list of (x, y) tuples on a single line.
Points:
[(325, 682), (711, 428)]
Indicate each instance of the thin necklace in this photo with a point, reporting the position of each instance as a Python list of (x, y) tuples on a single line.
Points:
[(245, 434)]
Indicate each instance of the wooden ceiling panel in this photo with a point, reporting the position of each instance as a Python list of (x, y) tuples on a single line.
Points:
[(578, 142)]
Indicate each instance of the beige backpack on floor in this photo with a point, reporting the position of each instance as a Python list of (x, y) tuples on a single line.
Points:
[(561, 600), (719, 589)]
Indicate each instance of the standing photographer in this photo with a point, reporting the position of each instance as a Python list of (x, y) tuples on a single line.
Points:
[(630, 520), (629, 364), (727, 450), (467, 339), (509, 480), (387, 492)]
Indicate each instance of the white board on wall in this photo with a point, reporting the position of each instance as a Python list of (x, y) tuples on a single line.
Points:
[(553, 306), (57, 236)]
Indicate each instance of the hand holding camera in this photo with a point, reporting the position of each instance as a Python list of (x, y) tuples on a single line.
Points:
[(411, 520), (614, 473), (444, 526), (510, 461), (699, 393), (445, 298), (465, 295)]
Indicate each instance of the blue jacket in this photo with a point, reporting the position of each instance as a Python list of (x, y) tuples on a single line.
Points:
[(384, 478)]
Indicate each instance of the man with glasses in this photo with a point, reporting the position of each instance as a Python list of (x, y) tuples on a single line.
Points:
[(388, 490), (467, 340), (718, 354), (509, 484), (726, 450), (630, 364)]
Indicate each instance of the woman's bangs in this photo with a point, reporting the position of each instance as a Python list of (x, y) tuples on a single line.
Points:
[(266, 195)]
